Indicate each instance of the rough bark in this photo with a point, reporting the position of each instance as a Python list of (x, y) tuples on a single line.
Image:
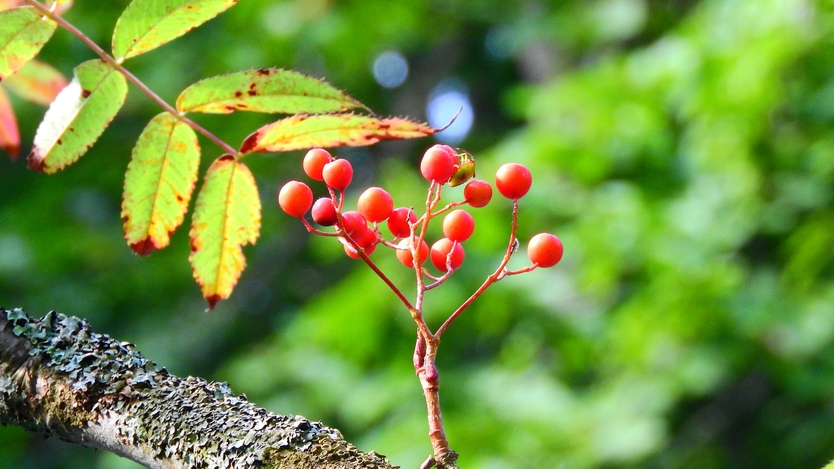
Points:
[(59, 378)]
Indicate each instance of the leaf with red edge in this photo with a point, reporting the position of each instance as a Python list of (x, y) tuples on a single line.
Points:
[(23, 32), (331, 130), (60, 6), (269, 90), (227, 216), (6, 4), (158, 184), (37, 82), (78, 116), (9, 134)]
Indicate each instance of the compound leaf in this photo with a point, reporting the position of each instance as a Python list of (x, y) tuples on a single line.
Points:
[(158, 184), (331, 130), (266, 90), (23, 32), (227, 216), (9, 134), (148, 24), (78, 116), (37, 82)]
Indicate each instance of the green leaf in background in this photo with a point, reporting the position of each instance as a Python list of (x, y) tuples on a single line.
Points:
[(37, 82), (23, 32), (302, 132), (9, 134), (78, 116), (148, 24), (158, 184), (227, 216), (265, 90)]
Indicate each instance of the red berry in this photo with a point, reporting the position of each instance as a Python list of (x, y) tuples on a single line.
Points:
[(513, 180), (440, 252), (375, 204), (398, 222), (354, 255), (337, 174), (477, 193), (404, 253), (324, 213), (545, 250), (438, 164), (295, 198), (355, 224), (314, 162), (458, 225)]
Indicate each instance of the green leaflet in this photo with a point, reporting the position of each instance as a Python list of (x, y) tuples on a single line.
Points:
[(266, 90), (336, 130), (158, 184), (23, 32), (227, 216), (78, 116), (148, 24), (37, 82)]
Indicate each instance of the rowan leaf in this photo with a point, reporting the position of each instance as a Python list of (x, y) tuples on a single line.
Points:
[(23, 32), (330, 130), (9, 134), (37, 82), (227, 216), (148, 24), (158, 183), (78, 116), (6, 4), (265, 90)]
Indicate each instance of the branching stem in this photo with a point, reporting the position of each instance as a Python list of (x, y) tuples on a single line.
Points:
[(116, 65)]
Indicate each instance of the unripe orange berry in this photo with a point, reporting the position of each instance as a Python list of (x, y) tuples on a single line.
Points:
[(440, 252), (295, 198), (314, 162), (513, 180), (375, 204), (404, 253), (458, 225), (438, 164), (337, 174), (545, 250)]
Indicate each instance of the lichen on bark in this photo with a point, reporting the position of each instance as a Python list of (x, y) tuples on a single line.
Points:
[(60, 378)]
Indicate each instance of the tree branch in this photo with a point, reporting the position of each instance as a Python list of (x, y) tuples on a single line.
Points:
[(59, 378)]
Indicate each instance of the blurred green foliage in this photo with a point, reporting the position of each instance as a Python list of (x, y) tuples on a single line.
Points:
[(683, 151)]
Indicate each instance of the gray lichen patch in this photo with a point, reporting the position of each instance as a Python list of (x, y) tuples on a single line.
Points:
[(58, 377)]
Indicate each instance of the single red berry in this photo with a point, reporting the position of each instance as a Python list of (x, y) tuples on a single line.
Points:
[(513, 180), (355, 224), (295, 198), (438, 164), (368, 243), (337, 174), (458, 225), (404, 253), (355, 255), (398, 222), (440, 252), (477, 193), (375, 204), (314, 162), (545, 250), (324, 213)]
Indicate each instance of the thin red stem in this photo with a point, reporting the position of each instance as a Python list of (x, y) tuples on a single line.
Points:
[(116, 65), (499, 273)]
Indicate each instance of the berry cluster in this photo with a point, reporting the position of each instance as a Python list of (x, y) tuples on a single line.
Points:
[(359, 230)]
